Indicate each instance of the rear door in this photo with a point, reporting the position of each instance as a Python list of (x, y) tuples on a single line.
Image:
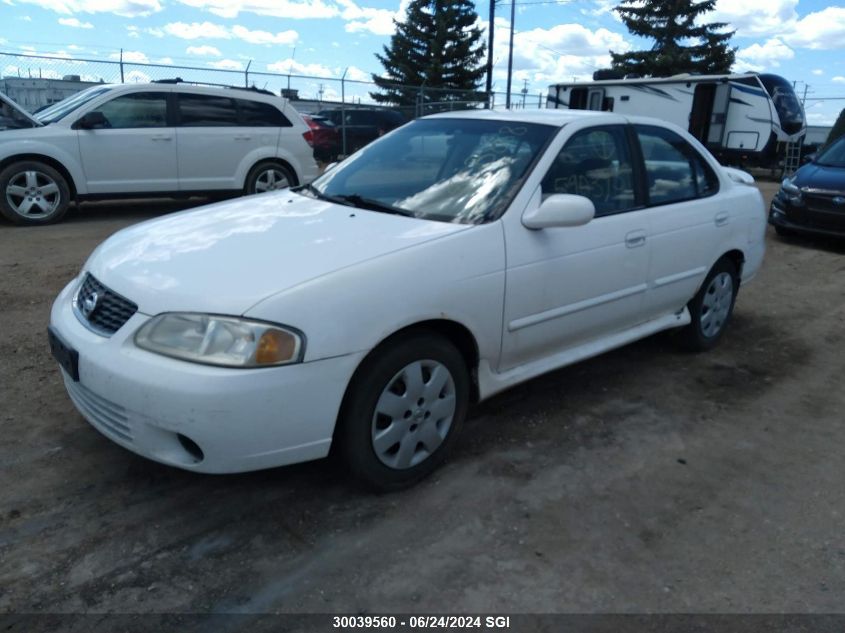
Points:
[(687, 225), (210, 143), (136, 150)]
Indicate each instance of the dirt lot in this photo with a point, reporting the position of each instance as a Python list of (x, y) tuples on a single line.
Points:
[(646, 480)]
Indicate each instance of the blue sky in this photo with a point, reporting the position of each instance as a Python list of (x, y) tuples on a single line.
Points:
[(803, 40)]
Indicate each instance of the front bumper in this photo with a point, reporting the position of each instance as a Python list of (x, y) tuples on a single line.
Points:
[(240, 419), (810, 218)]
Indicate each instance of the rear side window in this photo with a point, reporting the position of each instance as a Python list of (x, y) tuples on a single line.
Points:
[(674, 170), (197, 110), (595, 163), (137, 110), (258, 114)]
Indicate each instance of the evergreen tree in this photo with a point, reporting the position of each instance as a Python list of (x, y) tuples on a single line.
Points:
[(438, 46), (837, 130), (681, 45)]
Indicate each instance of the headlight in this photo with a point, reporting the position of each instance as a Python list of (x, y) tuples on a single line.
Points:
[(220, 340)]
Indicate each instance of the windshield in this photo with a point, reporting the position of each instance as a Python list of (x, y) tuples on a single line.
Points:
[(789, 109), (66, 106), (450, 170), (833, 155), (11, 118)]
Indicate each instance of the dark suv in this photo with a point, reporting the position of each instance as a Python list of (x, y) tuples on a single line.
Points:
[(363, 125)]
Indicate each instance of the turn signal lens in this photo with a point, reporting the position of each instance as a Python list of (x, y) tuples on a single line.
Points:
[(275, 346)]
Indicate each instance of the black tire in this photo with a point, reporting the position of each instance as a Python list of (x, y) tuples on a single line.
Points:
[(256, 180), (704, 332), (33, 193), (361, 424)]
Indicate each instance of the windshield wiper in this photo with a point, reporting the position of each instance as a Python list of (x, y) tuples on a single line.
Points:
[(322, 196), (375, 205)]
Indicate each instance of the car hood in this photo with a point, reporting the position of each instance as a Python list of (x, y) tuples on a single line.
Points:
[(814, 176), (227, 257), (26, 115)]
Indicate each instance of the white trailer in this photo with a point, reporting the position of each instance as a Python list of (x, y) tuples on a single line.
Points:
[(742, 118)]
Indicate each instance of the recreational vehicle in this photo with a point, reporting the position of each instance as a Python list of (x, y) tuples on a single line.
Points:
[(742, 119)]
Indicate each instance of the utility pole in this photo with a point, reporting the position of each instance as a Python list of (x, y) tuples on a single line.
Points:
[(510, 57), (490, 30)]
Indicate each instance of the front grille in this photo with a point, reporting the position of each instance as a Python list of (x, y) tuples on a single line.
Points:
[(104, 414), (101, 309)]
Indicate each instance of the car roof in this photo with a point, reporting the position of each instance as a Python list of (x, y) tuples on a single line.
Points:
[(557, 118), (234, 92)]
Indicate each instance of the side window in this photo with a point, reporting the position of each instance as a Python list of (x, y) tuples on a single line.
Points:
[(197, 110), (140, 109), (674, 170), (258, 114), (595, 163)]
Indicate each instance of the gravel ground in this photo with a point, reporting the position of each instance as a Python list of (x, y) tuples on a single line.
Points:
[(646, 480)]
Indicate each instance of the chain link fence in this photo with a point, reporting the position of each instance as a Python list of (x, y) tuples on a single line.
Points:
[(35, 81)]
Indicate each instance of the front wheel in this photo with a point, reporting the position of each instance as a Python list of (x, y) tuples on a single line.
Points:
[(712, 307), (268, 176), (32, 192), (403, 410)]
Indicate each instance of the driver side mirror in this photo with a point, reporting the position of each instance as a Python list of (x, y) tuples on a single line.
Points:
[(560, 210), (91, 121)]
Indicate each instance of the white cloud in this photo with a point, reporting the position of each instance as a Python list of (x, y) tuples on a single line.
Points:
[(818, 71), (132, 57), (136, 76), (755, 17), (203, 51), (762, 57), (822, 30), (227, 64), (75, 23), (376, 21), (285, 38), (839, 79), (124, 8), (288, 9), (196, 30), (25, 18), (285, 66), (356, 74)]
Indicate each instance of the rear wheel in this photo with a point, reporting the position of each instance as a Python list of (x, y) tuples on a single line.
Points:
[(32, 192), (712, 307), (403, 410), (269, 176)]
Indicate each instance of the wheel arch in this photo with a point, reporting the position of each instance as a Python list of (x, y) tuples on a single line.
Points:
[(52, 162), (271, 159), (737, 258)]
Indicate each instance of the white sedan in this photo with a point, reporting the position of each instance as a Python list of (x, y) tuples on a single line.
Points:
[(455, 257)]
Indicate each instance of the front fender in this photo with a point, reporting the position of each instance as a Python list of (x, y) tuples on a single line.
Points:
[(67, 156)]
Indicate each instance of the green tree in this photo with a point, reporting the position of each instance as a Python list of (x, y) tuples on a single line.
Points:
[(437, 46), (838, 129), (682, 43)]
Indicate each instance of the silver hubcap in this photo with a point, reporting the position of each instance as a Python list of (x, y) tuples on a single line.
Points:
[(271, 179), (716, 304), (413, 415), (33, 194)]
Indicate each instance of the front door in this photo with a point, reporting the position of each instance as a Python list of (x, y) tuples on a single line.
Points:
[(135, 151), (567, 286)]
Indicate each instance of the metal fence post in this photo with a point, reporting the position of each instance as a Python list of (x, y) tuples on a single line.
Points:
[(246, 74), (121, 65), (343, 109)]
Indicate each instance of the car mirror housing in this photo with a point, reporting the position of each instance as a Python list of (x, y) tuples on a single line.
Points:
[(560, 210), (91, 121)]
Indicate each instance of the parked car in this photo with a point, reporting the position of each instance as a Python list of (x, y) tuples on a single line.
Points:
[(324, 137), (812, 201), (456, 257), (363, 125), (165, 138)]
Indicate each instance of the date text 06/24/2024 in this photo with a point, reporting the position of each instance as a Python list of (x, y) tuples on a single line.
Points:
[(421, 622)]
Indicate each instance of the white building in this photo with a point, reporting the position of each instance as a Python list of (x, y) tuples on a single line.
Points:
[(32, 93)]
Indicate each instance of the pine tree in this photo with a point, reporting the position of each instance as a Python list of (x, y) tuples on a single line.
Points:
[(681, 43), (438, 46), (837, 130)]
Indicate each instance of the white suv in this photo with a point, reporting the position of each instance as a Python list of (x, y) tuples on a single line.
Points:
[(162, 138)]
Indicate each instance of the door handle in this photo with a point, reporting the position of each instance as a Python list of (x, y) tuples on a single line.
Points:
[(635, 239), (161, 138), (722, 218)]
